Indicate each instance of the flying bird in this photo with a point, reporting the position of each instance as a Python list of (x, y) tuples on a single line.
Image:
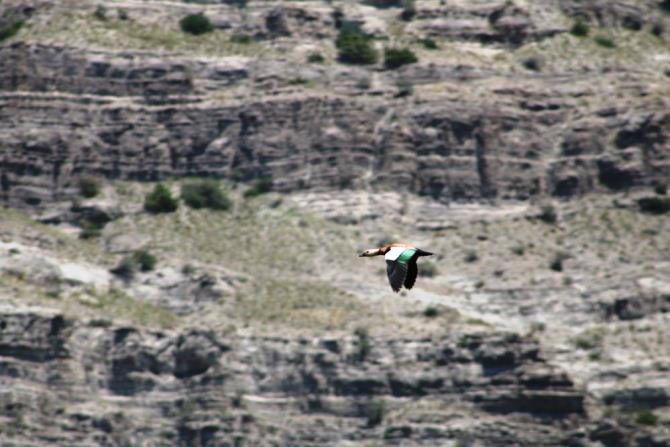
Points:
[(400, 263)]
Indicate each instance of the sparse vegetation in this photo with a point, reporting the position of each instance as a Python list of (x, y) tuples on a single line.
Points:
[(125, 268), (548, 213), (408, 11), (556, 262), (657, 29), (375, 412), (144, 260), (471, 256), (519, 250), (362, 343), (397, 57), (261, 186), (405, 88), (533, 63), (354, 46), (431, 312), (10, 30), (205, 194), (604, 41), (90, 228), (580, 29), (589, 339), (100, 13), (89, 187), (242, 39), (429, 43), (646, 417), (654, 204), (122, 14), (316, 58), (160, 200), (196, 24)]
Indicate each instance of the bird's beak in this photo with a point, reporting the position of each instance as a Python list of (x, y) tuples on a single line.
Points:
[(362, 255)]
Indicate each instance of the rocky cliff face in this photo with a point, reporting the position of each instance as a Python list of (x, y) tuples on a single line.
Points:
[(472, 131), (532, 325), (123, 386)]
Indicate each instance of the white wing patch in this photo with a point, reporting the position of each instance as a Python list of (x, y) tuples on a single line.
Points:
[(394, 253)]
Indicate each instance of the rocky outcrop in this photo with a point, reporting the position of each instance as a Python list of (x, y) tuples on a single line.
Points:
[(123, 386)]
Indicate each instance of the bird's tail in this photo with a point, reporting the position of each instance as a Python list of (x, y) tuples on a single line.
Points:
[(420, 252)]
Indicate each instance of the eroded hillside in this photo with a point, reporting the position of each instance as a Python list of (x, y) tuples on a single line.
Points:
[(527, 147)]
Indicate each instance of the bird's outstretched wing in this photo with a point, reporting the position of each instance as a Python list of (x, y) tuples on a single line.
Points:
[(412, 271), (396, 272)]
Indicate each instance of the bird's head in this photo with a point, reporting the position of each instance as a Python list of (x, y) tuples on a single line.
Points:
[(371, 252)]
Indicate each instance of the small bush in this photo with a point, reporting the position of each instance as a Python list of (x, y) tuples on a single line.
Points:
[(242, 39), (589, 339), (429, 43), (427, 269), (519, 250), (261, 186), (533, 63), (657, 29), (548, 213), (122, 14), (364, 83), (354, 47), (100, 13), (431, 312), (384, 3), (646, 417), (604, 42), (89, 186), (471, 256), (160, 200), (665, 6), (10, 30), (580, 29), (408, 10), (125, 268), (205, 194), (405, 88), (397, 57), (196, 24), (375, 412), (144, 260), (556, 262), (362, 343), (315, 58), (654, 204), (661, 189), (90, 229)]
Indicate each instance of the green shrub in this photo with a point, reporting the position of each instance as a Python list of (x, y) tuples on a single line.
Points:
[(363, 347), (665, 6), (260, 186), (519, 250), (533, 63), (604, 42), (548, 213), (580, 29), (408, 10), (354, 46), (145, 260), (125, 268), (405, 88), (196, 24), (90, 229), (429, 43), (646, 417), (100, 13), (397, 57), (657, 29), (160, 200), (89, 186), (431, 312), (654, 204), (205, 194), (589, 339), (122, 14), (315, 58), (242, 39), (375, 412), (10, 30), (661, 189), (384, 3)]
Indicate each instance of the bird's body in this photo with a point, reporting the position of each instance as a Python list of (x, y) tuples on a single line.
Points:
[(401, 267)]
